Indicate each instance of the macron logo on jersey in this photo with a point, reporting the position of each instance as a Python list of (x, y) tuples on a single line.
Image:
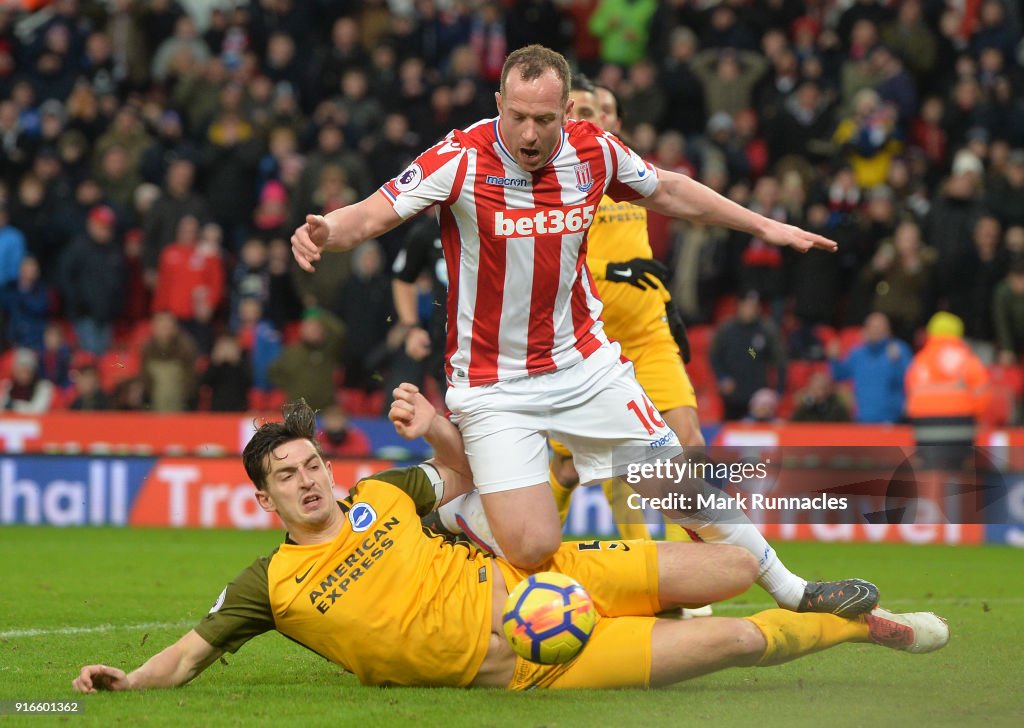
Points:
[(527, 223), (506, 181)]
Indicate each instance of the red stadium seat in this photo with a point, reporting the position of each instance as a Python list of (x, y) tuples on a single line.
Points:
[(849, 337), (1008, 375), (1001, 408), (725, 307), (116, 366), (266, 401), (710, 406), (6, 364), (799, 372)]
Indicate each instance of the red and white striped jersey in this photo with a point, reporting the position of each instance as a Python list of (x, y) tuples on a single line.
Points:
[(520, 299)]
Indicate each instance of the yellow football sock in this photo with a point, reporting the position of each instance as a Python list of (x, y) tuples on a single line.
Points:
[(790, 635), (617, 492), (562, 495)]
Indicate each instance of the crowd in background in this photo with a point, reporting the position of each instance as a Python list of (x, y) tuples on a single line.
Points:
[(153, 164)]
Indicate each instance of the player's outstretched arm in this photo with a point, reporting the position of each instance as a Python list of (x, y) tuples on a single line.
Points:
[(342, 229), (680, 196), (169, 668), (413, 416)]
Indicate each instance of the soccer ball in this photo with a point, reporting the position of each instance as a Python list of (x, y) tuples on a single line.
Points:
[(548, 618)]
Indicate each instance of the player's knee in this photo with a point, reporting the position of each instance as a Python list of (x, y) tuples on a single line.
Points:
[(735, 571), (533, 552), (747, 643), (564, 471)]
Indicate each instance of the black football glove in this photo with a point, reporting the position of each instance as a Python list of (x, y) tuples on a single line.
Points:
[(678, 328), (640, 272)]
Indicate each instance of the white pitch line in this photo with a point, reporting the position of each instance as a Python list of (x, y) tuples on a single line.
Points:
[(46, 632), (922, 603)]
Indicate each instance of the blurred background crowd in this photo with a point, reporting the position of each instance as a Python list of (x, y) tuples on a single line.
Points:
[(155, 156)]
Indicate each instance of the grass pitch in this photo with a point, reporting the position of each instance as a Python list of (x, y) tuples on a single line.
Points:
[(74, 596)]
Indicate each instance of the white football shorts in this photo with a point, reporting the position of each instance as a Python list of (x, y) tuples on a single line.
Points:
[(596, 408)]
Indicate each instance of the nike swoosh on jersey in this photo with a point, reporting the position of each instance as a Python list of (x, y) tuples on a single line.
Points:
[(299, 579)]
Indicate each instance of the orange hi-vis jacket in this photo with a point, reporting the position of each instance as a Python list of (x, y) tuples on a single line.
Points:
[(946, 379)]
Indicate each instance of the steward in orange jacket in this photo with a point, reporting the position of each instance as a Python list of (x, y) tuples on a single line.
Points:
[(947, 388)]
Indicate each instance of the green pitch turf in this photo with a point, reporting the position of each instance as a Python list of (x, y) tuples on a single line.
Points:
[(74, 596)]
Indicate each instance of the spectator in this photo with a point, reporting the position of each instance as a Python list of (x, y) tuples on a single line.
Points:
[(365, 307), (1008, 315), (949, 226), (760, 265), (128, 132), (363, 112), (229, 160), (284, 305), (177, 200), (197, 91), (644, 99), (338, 437), (1006, 197), (168, 366), (345, 52), (270, 218), (395, 149), (816, 285), (180, 51), (622, 27), (418, 289), (12, 248), (55, 356), (899, 280), (26, 303), (803, 126), (742, 351), (89, 395), (764, 407), (26, 392), (820, 402), (868, 139), (117, 177), (91, 281), (228, 376), (877, 367), (250, 278), (969, 294), (307, 368), (947, 393), (190, 281), (729, 77), (170, 144), (259, 339), (684, 91), (895, 86), (994, 29), (910, 36), (130, 395)]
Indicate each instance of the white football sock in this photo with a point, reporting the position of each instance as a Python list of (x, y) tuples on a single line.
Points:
[(733, 527), (465, 514)]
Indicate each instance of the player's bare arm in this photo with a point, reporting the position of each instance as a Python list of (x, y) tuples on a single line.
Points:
[(342, 229), (680, 196), (170, 668), (413, 416)]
